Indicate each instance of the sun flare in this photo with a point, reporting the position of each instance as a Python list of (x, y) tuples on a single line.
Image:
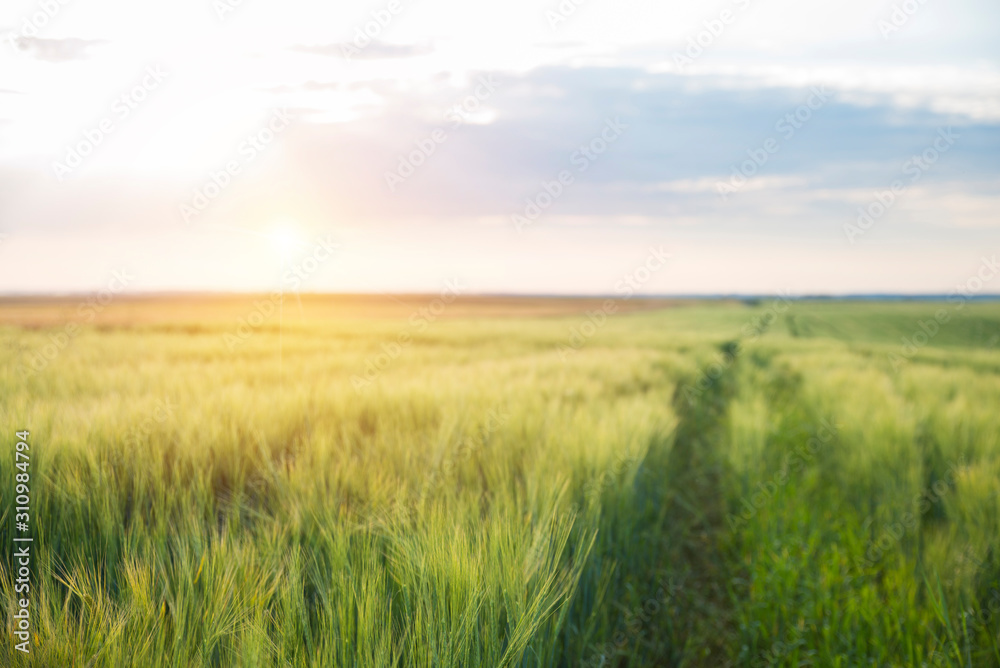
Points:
[(285, 238)]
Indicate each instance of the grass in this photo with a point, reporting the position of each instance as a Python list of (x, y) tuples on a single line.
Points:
[(681, 490)]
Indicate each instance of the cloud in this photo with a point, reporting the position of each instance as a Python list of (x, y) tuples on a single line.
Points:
[(58, 50), (374, 51), (307, 87), (682, 142), (972, 92), (709, 184)]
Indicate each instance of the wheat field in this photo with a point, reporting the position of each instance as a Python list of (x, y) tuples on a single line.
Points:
[(374, 481)]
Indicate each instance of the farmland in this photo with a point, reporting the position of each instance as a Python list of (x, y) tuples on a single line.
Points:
[(342, 481)]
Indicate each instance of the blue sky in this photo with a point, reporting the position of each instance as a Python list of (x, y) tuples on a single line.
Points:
[(294, 120)]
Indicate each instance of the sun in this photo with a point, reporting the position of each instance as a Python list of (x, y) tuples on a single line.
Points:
[(286, 238)]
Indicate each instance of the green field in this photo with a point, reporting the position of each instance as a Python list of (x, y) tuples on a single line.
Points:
[(504, 483)]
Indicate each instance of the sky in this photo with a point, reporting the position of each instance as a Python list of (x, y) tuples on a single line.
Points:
[(535, 147)]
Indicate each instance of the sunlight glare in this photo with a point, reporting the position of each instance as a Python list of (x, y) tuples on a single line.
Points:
[(285, 237)]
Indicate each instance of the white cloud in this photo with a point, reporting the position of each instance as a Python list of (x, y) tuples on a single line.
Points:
[(225, 76), (944, 89)]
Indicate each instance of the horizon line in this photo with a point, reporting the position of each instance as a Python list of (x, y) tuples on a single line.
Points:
[(710, 296)]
